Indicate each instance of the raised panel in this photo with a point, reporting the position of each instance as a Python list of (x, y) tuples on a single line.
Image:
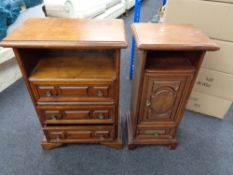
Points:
[(161, 97), (71, 91)]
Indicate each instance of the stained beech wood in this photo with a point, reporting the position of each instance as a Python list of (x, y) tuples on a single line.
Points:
[(68, 33), (166, 66), (77, 66), (71, 68), (151, 36)]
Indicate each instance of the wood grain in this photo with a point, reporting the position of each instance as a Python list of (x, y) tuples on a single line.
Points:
[(171, 37), (67, 33), (72, 71), (164, 77)]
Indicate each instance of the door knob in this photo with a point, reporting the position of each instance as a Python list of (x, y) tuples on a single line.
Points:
[(148, 103)]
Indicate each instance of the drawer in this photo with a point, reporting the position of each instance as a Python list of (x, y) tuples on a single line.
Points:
[(72, 92), (155, 133), (79, 134), (77, 114)]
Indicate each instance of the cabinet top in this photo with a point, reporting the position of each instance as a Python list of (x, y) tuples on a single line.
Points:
[(68, 33), (151, 36)]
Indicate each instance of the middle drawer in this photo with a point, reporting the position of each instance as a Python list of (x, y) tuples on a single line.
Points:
[(77, 114)]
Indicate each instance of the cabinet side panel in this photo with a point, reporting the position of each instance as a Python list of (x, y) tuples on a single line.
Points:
[(196, 59), (26, 65), (117, 67), (137, 86)]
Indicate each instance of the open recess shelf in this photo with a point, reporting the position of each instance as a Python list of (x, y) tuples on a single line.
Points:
[(74, 65), (168, 61)]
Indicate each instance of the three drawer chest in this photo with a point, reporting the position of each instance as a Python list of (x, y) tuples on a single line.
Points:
[(71, 68)]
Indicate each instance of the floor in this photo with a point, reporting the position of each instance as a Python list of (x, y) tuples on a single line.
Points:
[(205, 143)]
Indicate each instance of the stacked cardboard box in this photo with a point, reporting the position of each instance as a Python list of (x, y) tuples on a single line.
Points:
[(213, 91)]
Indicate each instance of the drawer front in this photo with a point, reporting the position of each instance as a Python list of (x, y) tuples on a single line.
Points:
[(76, 134), (155, 133), (162, 96), (62, 92), (77, 114)]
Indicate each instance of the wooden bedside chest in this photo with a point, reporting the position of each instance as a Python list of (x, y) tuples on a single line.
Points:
[(167, 63), (71, 68)]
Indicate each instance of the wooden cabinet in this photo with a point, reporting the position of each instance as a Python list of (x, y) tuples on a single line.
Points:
[(167, 63), (71, 68)]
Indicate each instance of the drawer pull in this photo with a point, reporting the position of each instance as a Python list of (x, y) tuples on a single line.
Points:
[(101, 116), (155, 132), (54, 117), (48, 94), (58, 138), (100, 93)]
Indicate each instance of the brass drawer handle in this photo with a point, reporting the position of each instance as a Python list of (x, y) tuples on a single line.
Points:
[(101, 116), (155, 132), (148, 103), (54, 117), (58, 138), (48, 94), (100, 93)]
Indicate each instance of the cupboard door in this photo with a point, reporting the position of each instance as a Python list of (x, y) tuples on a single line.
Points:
[(161, 97)]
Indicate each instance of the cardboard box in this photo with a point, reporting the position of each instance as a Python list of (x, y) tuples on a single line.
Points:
[(209, 105), (215, 83), (226, 1), (213, 18), (221, 60)]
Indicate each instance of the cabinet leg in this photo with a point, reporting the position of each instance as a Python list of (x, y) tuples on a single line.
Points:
[(172, 146), (48, 146), (118, 143), (132, 146)]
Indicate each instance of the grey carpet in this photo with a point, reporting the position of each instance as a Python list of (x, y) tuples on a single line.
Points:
[(205, 144)]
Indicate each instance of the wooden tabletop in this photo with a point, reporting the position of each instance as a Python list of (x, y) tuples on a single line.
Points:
[(151, 36), (72, 33)]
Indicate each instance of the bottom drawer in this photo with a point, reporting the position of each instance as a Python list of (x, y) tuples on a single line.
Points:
[(155, 133), (79, 134)]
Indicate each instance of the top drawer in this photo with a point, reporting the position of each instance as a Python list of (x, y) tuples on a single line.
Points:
[(73, 92)]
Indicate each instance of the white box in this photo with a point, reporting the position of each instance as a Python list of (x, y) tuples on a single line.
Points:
[(215, 83), (221, 60), (6, 54), (209, 105), (213, 18), (9, 73)]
